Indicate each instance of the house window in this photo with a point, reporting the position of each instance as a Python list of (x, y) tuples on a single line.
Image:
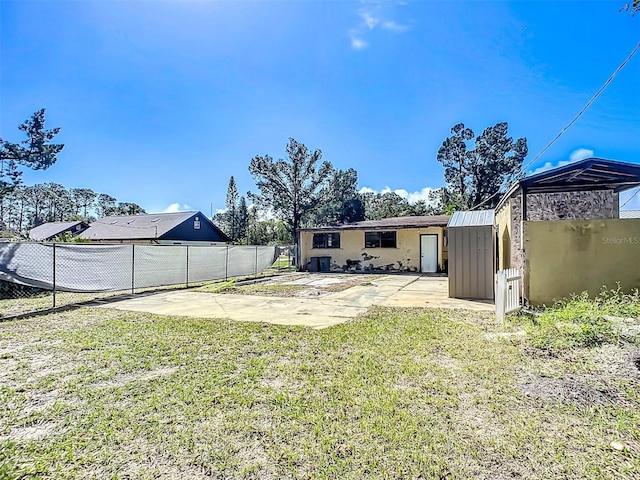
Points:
[(380, 239), (326, 240), (196, 223)]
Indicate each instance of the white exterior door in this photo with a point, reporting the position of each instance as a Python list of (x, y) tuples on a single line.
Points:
[(428, 253)]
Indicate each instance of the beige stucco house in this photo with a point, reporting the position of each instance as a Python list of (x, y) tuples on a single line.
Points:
[(416, 244)]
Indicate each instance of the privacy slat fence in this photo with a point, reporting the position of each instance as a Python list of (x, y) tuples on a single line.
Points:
[(507, 292), (31, 269)]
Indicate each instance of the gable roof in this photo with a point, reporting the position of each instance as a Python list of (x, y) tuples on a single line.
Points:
[(142, 227), (585, 175), (51, 230), (386, 223)]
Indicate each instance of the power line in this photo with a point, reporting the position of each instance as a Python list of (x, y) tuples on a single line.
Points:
[(630, 198), (584, 109)]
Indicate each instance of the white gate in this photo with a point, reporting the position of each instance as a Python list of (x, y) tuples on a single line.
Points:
[(507, 292)]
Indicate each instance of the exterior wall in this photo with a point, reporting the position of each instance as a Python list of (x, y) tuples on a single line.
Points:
[(473, 260), (571, 256), (187, 231), (352, 248), (572, 205), (547, 206), (503, 229)]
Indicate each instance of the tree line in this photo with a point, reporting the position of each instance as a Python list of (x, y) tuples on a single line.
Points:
[(304, 190), (23, 207)]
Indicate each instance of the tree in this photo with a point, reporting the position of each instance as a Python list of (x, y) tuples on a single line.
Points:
[(632, 8), (105, 205), (476, 177), (344, 204), (83, 198), (231, 212), (36, 152), (292, 188), (243, 219), (128, 208)]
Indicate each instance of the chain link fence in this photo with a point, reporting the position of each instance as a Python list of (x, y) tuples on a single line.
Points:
[(41, 276)]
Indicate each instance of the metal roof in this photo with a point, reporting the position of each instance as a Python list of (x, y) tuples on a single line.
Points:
[(585, 175), (588, 174), (140, 227), (386, 223), (472, 218), (50, 230), (629, 213)]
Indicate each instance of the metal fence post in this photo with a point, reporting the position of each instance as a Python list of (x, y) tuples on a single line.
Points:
[(256, 264), (187, 266), (133, 268), (226, 263), (54, 275)]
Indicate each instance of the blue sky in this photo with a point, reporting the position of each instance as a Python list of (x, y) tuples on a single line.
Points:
[(161, 102)]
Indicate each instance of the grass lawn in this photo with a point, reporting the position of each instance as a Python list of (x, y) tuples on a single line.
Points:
[(399, 393)]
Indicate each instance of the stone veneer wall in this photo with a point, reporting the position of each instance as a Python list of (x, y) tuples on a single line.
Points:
[(600, 204)]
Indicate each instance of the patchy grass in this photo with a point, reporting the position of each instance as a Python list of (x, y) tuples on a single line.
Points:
[(399, 393), (581, 321)]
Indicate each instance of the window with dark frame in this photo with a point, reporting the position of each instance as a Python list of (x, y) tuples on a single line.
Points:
[(380, 240), (326, 240)]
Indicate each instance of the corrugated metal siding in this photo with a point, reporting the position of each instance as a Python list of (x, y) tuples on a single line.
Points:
[(471, 262), (475, 218)]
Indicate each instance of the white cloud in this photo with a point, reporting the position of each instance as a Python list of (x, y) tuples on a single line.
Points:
[(394, 27), (373, 15), (176, 207), (575, 156), (580, 154), (357, 43), (369, 20), (411, 197)]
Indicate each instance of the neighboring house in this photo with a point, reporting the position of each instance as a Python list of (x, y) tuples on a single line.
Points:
[(50, 230), (402, 243), (562, 229), (159, 228)]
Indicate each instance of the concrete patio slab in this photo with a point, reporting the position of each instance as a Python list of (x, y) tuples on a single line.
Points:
[(321, 312)]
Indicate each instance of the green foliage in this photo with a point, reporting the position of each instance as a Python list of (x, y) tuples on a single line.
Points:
[(475, 176), (344, 204), (292, 188), (580, 321), (36, 152), (235, 218)]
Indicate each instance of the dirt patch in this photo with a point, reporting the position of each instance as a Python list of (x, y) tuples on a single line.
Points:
[(37, 432), (304, 286), (146, 376), (570, 389)]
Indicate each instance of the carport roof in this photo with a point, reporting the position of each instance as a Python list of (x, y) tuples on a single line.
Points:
[(586, 175)]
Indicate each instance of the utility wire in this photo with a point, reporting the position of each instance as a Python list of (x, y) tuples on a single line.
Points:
[(588, 104), (630, 198), (584, 109)]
